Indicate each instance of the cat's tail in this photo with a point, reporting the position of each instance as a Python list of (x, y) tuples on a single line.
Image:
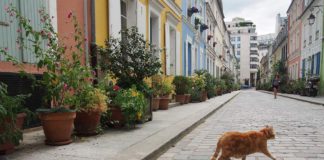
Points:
[(218, 148)]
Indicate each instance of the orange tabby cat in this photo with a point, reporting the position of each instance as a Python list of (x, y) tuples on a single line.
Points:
[(239, 145)]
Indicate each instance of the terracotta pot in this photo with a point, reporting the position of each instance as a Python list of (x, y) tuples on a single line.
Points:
[(117, 119), (203, 96), (9, 147), (86, 123), (155, 103), (181, 98), (188, 98), (57, 127), (164, 103), (218, 92)]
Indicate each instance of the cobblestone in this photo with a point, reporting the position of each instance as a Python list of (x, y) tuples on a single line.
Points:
[(298, 125)]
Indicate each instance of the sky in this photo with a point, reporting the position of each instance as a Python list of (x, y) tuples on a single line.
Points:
[(261, 12)]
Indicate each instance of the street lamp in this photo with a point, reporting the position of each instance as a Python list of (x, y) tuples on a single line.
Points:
[(311, 19)]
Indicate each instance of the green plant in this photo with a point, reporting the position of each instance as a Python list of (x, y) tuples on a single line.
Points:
[(64, 76), (10, 106), (199, 82), (130, 59), (181, 84), (90, 99), (132, 104), (165, 88)]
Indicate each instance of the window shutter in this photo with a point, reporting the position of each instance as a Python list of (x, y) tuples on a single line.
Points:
[(312, 65), (318, 63), (303, 69), (114, 18), (141, 19), (29, 9), (167, 48), (178, 49)]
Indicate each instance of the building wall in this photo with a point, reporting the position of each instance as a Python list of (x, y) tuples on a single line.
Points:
[(311, 41), (294, 38)]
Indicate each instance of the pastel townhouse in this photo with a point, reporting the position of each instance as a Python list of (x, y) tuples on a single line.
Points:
[(193, 36)]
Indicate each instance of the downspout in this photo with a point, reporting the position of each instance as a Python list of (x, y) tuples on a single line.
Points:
[(85, 17), (321, 88)]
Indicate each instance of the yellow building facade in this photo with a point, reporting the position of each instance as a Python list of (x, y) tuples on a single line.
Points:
[(158, 20)]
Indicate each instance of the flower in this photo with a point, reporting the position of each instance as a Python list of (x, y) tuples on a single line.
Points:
[(6, 49), (116, 88), (65, 86), (70, 14)]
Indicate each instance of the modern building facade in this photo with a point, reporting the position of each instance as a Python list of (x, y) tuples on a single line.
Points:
[(244, 38)]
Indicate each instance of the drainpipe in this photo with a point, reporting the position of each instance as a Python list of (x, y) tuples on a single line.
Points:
[(85, 16), (321, 88)]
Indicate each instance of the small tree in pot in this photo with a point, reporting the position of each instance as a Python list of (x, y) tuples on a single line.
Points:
[(165, 89), (181, 84), (130, 60)]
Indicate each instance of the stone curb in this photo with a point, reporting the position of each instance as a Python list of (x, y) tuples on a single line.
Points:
[(172, 139), (303, 100)]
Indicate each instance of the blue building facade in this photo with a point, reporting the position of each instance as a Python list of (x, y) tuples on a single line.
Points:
[(193, 36)]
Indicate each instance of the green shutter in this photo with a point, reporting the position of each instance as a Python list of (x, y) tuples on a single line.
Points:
[(30, 10), (8, 34)]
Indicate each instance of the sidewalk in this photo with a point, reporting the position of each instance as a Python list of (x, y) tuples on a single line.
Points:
[(314, 100), (147, 141)]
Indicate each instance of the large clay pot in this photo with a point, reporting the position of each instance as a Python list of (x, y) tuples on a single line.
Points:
[(57, 127), (203, 96), (86, 123), (9, 147), (117, 118), (188, 98), (164, 103), (181, 99), (155, 103)]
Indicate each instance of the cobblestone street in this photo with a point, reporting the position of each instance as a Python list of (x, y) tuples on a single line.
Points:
[(298, 125)]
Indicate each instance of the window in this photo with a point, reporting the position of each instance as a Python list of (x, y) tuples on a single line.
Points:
[(233, 39), (317, 35), (238, 53), (253, 38), (238, 45), (239, 39), (310, 39), (304, 43)]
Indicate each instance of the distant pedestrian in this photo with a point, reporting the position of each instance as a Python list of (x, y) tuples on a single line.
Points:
[(275, 85)]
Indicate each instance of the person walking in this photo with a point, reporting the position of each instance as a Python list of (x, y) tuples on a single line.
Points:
[(275, 85)]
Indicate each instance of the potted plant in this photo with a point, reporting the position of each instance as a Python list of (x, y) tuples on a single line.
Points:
[(132, 104), (189, 88), (201, 81), (63, 75), (12, 115), (130, 60), (91, 103), (180, 84), (165, 89), (198, 88), (156, 80)]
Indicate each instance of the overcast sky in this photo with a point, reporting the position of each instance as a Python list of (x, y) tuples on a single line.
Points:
[(261, 12)]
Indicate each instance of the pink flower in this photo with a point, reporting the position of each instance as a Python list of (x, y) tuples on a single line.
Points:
[(85, 39), (93, 73), (6, 49), (6, 8), (65, 86), (70, 14), (116, 88)]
